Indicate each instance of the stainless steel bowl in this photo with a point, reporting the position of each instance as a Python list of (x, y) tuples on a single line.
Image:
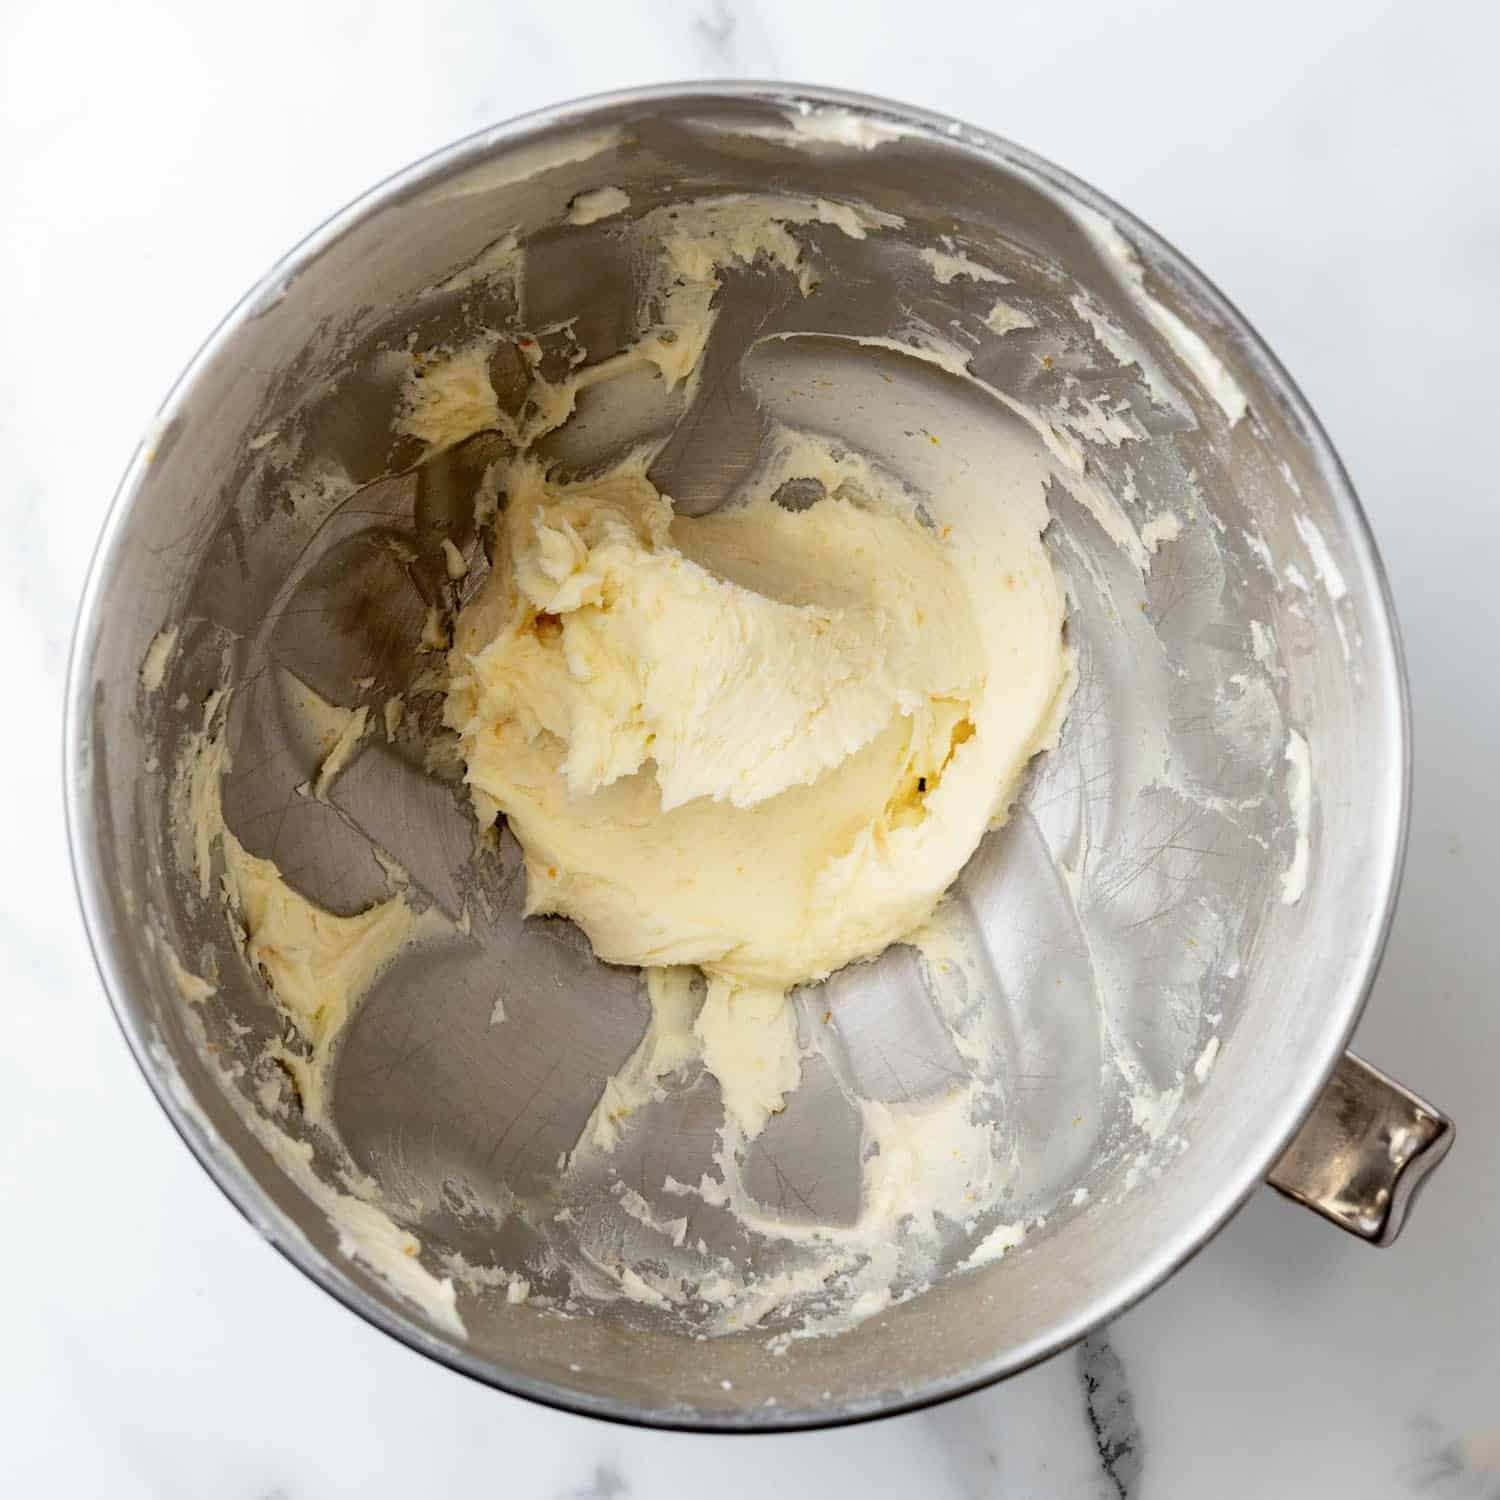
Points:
[(1176, 946)]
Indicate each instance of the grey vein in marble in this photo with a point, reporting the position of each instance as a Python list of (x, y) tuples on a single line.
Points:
[(1463, 1467), (1111, 1414), (607, 1484)]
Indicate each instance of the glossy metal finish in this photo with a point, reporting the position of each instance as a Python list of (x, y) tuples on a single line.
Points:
[(1164, 804), (1363, 1152)]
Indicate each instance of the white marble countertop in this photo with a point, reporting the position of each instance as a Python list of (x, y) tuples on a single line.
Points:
[(1331, 166)]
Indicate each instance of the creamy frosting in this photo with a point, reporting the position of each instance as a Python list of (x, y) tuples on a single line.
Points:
[(762, 741)]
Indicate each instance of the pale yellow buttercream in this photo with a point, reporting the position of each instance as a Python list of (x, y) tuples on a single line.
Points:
[(763, 742)]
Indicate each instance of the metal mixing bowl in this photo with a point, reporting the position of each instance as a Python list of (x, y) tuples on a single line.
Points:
[(1165, 806)]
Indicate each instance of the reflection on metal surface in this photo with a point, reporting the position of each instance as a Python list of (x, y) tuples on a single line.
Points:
[(1363, 1152)]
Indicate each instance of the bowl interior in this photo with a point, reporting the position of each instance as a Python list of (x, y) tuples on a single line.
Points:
[(1164, 982)]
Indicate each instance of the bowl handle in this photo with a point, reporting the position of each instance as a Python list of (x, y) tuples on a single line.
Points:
[(1363, 1152)]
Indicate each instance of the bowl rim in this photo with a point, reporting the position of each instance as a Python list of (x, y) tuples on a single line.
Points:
[(223, 1165)]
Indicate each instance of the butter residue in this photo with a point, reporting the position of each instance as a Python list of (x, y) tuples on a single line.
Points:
[(392, 714), (1203, 1064), (830, 125), (192, 987), (502, 260), (1263, 647), (949, 263), (748, 1035), (366, 1233), (1001, 1239), (684, 249), (344, 748), (667, 1046), (1003, 317), (1108, 333), (1327, 570), (1189, 346), (449, 399), (317, 965), (157, 658), (927, 1164), (1165, 527), (747, 1040), (601, 203), (1299, 799), (523, 163), (1072, 461)]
